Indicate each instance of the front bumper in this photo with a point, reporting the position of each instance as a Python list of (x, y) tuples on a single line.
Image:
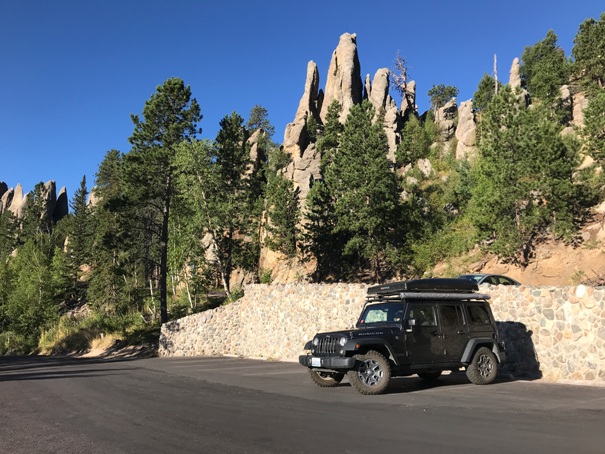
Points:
[(327, 362)]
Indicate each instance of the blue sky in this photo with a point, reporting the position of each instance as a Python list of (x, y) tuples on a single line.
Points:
[(72, 71)]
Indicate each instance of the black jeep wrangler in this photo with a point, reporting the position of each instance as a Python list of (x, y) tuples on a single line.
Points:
[(422, 326)]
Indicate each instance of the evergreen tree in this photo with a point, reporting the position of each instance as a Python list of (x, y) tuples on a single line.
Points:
[(9, 234), (259, 119), (485, 92), (594, 128), (589, 53), (523, 178), (31, 303), (282, 207), (79, 236), (170, 117), (415, 142), (214, 180), (114, 253), (364, 188), (544, 68), (319, 236), (35, 220), (440, 95)]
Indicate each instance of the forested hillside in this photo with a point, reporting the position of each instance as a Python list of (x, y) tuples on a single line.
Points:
[(175, 219)]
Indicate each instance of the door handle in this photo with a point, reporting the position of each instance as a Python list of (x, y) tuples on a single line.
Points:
[(461, 331), (435, 333)]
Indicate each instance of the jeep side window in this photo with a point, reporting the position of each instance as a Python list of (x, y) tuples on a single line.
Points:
[(451, 315), (424, 314), (478, 315)]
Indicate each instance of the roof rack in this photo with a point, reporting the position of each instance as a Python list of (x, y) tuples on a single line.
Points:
[(433, 285)]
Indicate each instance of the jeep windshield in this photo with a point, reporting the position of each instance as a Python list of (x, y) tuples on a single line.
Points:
[(380, 313)]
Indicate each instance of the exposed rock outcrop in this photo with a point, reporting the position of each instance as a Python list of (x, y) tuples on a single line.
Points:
[(514, 80), (53, 208), (378, 95), (304, 158), (344, 81), (466, 131), (7, 199), (408, 103), (446, 119), (62, 206), (17, 205), (296, 137)]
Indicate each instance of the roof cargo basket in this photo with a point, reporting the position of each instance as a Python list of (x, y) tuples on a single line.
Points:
[(448, 285)]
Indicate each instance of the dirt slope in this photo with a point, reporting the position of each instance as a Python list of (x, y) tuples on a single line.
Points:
[(553, 263)]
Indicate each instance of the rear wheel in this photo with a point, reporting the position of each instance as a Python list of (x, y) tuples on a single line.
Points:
[(430, 375), (325, 379), (371, 374), (483, 368)]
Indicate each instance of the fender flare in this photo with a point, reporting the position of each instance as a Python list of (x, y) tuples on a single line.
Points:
[(472, 345), (350, 346)]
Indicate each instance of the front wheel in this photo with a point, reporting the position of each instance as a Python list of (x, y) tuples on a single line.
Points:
[(371, 374), (483, 368), (325, 379)]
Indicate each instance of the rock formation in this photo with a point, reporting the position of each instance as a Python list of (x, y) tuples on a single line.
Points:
[(53, 208), (17, 205), (304, 158), (344, 81), (62, 206), (466, 131), (378, 94), (514, 80), (445, 119)]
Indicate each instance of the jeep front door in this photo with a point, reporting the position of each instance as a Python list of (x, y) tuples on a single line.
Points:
[(423, 342)]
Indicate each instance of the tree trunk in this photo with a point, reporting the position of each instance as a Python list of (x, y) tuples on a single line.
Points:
[(164, 254)]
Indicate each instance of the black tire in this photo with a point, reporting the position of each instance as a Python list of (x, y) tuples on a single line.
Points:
[(430, 375), (325, 379), (372, 373), (483, 368)]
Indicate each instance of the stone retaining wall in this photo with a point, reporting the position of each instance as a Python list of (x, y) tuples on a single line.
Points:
[(552, 333)]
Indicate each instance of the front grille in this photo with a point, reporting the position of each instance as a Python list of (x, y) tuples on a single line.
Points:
[(326, 345)]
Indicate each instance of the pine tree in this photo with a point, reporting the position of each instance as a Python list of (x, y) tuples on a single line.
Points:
[(79, 236), (486, 90), (524, 178), (319, 236), (214, 181), (114, 253), (170, 117), (593, 132), (544, 68), (415, 143), (589, 53), (282, 207), (364, 188)]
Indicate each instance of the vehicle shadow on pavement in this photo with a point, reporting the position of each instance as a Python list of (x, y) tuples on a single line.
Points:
[(413, 383)]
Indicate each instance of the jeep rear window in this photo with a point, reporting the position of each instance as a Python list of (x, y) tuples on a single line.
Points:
[(382, 312), (478, 315)]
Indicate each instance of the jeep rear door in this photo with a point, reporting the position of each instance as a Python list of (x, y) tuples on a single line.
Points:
[(454, 331)]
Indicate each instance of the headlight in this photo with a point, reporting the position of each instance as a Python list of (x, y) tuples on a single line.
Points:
[(342, 341), (315, 341)]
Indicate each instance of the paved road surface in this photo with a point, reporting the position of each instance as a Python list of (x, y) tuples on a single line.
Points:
[(230, 405)]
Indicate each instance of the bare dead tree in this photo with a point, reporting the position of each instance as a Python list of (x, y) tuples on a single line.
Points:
[(495, 77), (399, 75)]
